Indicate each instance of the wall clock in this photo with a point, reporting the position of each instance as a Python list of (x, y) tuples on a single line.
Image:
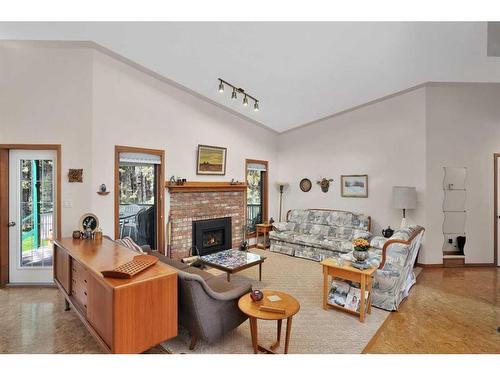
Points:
[(305, 185), (89, 221)]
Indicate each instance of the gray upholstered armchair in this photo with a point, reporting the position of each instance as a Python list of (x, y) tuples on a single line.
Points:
[(208, 308), (208, 304)]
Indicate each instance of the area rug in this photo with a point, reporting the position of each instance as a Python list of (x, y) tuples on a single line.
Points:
[(314, 330)]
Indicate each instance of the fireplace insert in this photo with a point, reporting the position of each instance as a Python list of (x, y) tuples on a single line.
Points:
[(211, 236)]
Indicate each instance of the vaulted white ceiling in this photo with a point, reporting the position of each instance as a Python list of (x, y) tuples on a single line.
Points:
[(301, 72)]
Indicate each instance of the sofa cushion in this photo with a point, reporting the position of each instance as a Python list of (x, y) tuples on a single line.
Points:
[(378, 242), (324, 242), (284, 226), (328, 217)]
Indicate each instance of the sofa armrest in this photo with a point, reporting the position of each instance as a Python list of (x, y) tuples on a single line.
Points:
[(234, 293), (385, 249), (221, 290)]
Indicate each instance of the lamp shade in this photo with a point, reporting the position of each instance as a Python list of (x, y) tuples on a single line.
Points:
[(404, 197), (280, 184)]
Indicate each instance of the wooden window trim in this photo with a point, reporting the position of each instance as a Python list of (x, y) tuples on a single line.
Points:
[(160, 188)]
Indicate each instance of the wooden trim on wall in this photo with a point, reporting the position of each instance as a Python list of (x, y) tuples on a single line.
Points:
[(495, 208), (160, 188), (4, 217), (265, 192), (4, 199), (204, 186)]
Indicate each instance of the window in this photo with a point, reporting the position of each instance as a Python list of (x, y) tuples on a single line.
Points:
[(137, 197), (256, 177)]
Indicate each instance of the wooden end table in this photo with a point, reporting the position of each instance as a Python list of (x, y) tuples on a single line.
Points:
[(348, 272), (252, 310), (263, 229)]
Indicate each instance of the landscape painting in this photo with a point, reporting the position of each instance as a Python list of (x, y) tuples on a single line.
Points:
[(354, 186), (211, 160)]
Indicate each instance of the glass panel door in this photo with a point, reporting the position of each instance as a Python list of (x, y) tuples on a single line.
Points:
[(32, 215)]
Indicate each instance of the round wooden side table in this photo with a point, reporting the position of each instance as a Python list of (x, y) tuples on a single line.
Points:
[(253, 310)]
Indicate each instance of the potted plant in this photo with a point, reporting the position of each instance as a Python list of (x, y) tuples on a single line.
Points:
[(361, 247)]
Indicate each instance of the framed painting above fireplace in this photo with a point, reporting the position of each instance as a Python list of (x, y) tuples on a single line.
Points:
[(211, 160)]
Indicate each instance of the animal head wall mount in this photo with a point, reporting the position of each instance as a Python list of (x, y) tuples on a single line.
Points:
[(324, 184)]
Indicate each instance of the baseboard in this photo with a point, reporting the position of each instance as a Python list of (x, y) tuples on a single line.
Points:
[(30, 285), (425, 265)]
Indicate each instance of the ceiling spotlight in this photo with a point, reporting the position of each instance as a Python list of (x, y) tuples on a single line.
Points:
[(238, 90)]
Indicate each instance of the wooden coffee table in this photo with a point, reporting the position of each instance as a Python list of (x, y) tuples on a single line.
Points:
[(232, 261), (252, 310), (348, 272)]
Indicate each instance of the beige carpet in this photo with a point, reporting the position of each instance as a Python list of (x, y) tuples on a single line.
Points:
[(314, 330)]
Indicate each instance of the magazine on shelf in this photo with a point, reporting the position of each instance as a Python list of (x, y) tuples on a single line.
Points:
[(338, 292), (346, 295)]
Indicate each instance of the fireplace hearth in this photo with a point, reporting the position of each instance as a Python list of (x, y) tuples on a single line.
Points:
[(211, 236)]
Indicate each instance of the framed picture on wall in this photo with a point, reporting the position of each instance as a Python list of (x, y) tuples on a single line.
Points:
[(354, 186), (211, 160)]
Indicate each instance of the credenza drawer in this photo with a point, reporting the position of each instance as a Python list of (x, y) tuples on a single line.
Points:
[(79, 283)]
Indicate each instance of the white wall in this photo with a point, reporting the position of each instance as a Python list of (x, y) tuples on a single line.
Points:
[(89, 102), (46, 97), (133, 109), (463, 130), (385, 140)]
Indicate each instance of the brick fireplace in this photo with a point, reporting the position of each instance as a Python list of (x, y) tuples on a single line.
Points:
[(195, 201)]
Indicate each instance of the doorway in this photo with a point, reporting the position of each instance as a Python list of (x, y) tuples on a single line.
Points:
[(29, 212), (496, 208), (139, 190)]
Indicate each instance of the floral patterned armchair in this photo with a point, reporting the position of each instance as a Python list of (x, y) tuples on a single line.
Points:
[(395, 258)]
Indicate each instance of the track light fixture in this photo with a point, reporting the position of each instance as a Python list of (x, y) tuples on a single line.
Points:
[(234, 94)]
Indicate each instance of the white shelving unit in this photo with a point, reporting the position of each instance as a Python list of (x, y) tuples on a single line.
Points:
[(454, 210)]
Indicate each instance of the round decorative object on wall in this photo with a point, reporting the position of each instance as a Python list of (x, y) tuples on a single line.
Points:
[(305, 185)]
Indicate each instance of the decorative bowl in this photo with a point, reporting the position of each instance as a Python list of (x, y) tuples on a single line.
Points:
[(256, 295)]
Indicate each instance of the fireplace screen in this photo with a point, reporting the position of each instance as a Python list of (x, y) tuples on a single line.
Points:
[(210, 236)]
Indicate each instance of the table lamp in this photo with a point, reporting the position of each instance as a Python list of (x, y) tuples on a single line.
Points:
[(404, 198), (281, 186)]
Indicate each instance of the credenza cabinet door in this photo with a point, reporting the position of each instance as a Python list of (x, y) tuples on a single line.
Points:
[(100, 310), (62, 268)]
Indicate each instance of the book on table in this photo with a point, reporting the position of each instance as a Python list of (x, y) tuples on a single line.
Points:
[(346, 295)]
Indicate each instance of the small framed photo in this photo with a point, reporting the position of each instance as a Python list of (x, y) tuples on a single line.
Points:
[(354, 186), (211, 160)]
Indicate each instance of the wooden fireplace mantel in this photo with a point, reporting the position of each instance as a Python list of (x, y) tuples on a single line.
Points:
[(205, 186)]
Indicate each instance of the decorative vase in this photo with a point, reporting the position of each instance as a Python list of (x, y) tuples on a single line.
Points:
[(256, 295), (360, 255), (461, 244)]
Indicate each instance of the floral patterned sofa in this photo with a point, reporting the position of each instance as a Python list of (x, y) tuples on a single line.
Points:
[(318, 234)]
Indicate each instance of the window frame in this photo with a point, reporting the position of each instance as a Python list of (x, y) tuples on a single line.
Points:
[(265, 193)]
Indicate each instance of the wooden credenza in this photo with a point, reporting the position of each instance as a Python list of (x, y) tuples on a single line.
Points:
[(123, 315)]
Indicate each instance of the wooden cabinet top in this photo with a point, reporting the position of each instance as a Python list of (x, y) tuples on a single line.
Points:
[(101, 255)]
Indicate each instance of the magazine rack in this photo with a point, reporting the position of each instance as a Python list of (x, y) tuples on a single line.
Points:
[(347, 272)]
